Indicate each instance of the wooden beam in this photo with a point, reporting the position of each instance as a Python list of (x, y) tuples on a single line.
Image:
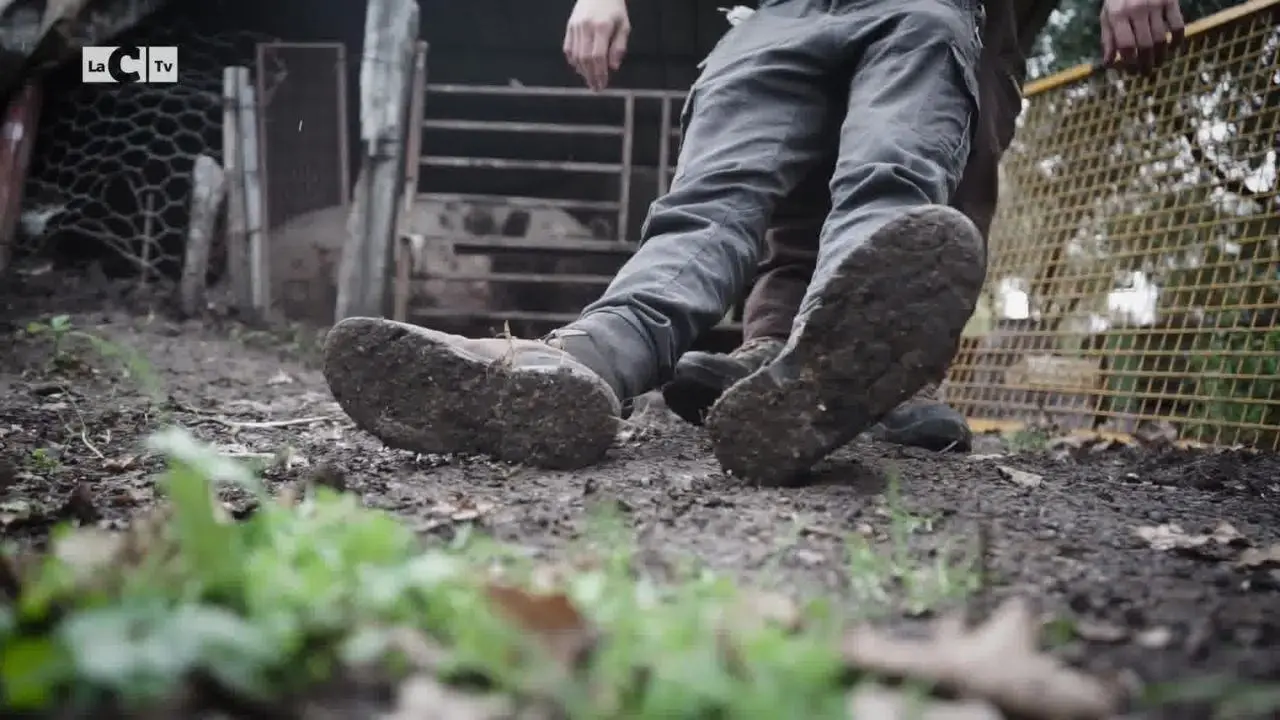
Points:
[(386, 75), (233, 167)]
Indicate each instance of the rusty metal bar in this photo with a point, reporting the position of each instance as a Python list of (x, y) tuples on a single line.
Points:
[(522, 202), (624, 188), (19, 135), (520, 127), (504, 164)]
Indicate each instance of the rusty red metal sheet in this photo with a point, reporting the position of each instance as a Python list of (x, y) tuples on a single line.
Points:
[(17, 138)]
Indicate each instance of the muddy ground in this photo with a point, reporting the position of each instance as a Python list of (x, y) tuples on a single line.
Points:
[(1066, 535)]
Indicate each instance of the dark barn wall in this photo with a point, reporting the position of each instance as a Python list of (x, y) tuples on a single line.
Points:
[(494, 41)]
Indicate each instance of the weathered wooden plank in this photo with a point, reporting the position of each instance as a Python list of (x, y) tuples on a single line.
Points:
[(391, 34), (233, 166), (208, 187)]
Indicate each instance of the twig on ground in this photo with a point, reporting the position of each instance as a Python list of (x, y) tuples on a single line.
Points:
[(84, 429), (268, 424), (84, 438)]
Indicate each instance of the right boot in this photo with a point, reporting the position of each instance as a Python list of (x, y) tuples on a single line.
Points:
[(700, 378), (523, 401), (886, 321)]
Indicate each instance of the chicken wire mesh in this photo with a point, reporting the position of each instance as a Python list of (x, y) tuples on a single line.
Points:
[(1133, 276), (112, 163)]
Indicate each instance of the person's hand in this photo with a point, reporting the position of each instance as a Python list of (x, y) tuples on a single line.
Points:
[(596, 39), (1137, 34)]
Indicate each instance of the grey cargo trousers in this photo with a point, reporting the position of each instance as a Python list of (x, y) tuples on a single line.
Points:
[(756, 123)]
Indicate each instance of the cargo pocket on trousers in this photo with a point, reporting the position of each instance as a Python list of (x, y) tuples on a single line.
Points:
[(686, 112), (964, 63)]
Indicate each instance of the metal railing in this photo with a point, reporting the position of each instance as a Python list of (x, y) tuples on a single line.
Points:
[(596, 235), (1134, 276), (305, 159)]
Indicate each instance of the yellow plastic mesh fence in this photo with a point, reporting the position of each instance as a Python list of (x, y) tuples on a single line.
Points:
[(1133, 281)]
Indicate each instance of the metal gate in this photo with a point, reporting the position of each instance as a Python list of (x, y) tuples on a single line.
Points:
[(302, 90), (476, 251)]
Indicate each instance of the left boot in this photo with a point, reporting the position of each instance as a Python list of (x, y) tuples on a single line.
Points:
[(524, 401), (925, 421), (886, 321)]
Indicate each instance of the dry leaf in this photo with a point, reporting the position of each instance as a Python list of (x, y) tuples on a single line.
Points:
[(875, 702), (15, 511), (88, 551), (1172, 537), (280, 378), (1156, 638), (422, 697), (471, 513), (120, 464), (753, 610), (1020, 477), (1100, 632), (289, 496), (997, 661), (1156, 433), (1256, 558), (551, 618), (79, 505)]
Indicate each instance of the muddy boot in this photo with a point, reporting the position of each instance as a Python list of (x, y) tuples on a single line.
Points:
[(520, 401), (886, 320), (702, 377), (926, 422)]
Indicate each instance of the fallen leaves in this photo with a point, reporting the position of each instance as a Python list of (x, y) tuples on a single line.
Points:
[(869, 700), (1171, 536), (464, 510), (422, 697), (1260, 558), (998, 662), (1020, 477), (551, 619)]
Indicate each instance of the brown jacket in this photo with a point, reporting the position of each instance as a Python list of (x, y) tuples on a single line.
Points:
[(792, 241)]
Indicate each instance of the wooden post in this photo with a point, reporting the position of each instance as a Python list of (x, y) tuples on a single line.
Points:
[(250, 155), (233, 167), (391, 32), (208, 184), (412, 165)]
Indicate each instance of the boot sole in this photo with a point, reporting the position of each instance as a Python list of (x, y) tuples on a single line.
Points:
[(414, 391), (889, 321)]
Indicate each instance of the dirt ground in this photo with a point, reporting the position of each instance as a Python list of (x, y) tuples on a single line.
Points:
[(1067, 534)]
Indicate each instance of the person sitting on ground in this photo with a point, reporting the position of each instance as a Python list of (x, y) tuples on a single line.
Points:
[(791, 248), (897, 276)]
